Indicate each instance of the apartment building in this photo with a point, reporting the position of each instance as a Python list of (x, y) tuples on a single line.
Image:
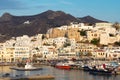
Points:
[(99, 54), (21, 53), (59, 42), (93, 34)]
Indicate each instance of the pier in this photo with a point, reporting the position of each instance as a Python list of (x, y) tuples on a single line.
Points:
[(36, 77)]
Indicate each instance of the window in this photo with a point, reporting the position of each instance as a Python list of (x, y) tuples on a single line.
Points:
[(11, 55), (95, 34)]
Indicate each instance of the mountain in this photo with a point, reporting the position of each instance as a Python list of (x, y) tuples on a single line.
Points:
[(6, 17), (89, 19), (13, 26)]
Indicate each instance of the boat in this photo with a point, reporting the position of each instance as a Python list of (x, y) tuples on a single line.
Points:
[(64, 65), (28, 67), (86, 68), (100, 72)]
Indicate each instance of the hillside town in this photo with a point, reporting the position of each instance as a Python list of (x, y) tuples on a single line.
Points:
[(74, 41)]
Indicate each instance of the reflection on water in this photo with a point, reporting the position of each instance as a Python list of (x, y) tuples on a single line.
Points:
[(4, 69), (59, 74)]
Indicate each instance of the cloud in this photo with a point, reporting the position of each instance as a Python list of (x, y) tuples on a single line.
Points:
[(44, 5), (66, 2), (24, 5), (10, 4)]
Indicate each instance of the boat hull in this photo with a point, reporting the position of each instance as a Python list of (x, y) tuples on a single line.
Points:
[(63, 67), (23, 69), (86, 68), (100, 72)]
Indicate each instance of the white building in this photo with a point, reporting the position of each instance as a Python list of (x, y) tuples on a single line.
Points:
[(112, 52), (60, 41), (69, 55), (23, 41), (10, 43), (27, 22), (36, 41), (85, 27), (103, 25), (104, 38), (80, 26), (21, 53), (99, 54), (48, 41), (73, 43), (48, 52)]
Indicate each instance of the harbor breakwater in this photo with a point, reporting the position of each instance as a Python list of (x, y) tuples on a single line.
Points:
[(35, 77)]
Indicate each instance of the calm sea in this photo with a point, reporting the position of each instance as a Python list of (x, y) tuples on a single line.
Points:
[(59, 74)]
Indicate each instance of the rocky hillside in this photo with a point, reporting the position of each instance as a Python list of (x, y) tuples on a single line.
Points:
[(31, 25)]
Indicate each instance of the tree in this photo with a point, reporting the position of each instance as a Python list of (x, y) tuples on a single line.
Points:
[(111, 35), (81, 54), (116, 25), (95, 41), (83, 33), (43, 36), (34, 58), (117, 43), (66, 35), (67, 44), (89, 54)]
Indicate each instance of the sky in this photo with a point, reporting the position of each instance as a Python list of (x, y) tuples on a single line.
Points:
[(108, 10)]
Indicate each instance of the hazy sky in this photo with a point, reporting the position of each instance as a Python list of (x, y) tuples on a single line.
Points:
[(108, 10)]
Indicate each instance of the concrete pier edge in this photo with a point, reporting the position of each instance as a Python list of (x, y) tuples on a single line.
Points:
[(36, 77)]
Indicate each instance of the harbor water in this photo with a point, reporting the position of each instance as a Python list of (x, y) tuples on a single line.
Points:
[(59, 74)]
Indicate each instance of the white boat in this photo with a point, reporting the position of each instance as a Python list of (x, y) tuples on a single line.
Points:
[(28, 67)]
